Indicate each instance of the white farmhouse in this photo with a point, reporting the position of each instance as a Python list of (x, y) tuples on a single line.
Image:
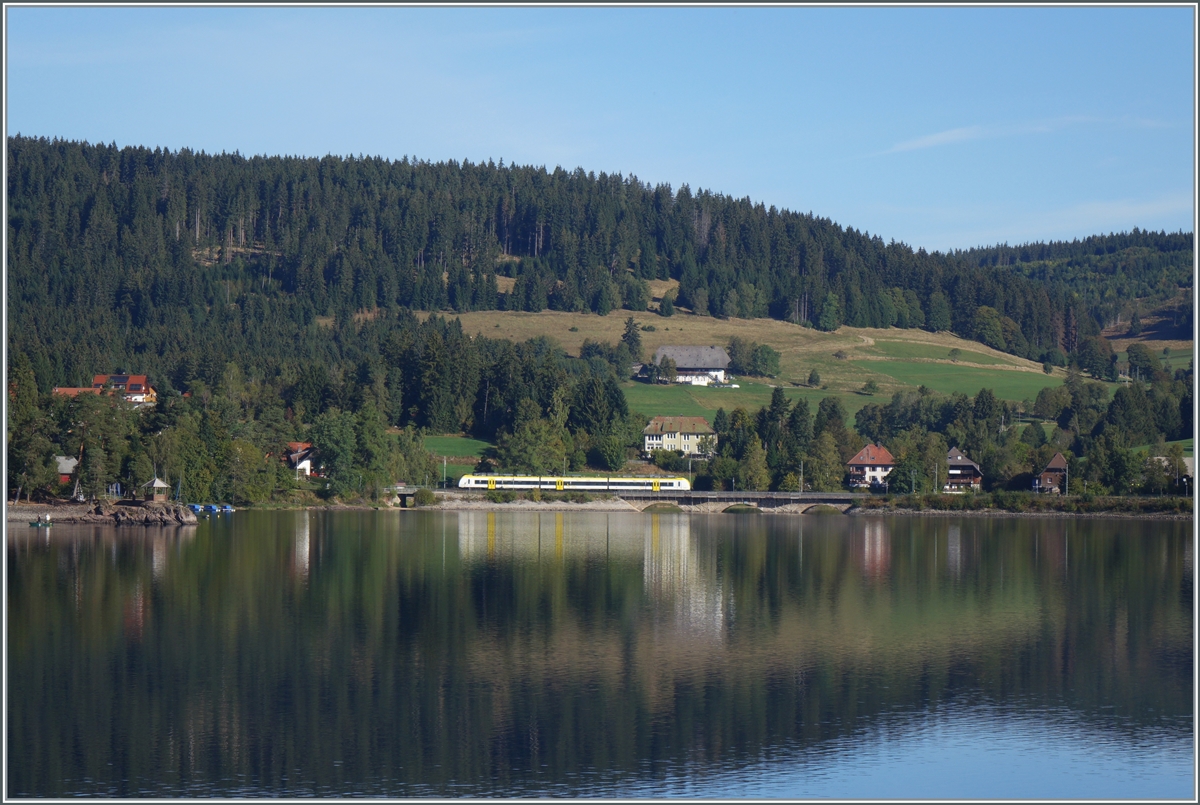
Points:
[(697, 366)]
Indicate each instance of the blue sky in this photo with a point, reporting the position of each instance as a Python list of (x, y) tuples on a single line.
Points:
[(940, 127)]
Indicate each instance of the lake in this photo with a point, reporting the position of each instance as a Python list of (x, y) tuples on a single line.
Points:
[(442, 654)]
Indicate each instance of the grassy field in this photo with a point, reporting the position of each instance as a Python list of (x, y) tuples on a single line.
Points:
[(908, 351), (456, 446), (1188, 447), (699, 401), (845, 359), (951, 378)]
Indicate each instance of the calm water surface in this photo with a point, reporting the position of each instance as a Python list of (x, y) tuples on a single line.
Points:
[(579, 654)]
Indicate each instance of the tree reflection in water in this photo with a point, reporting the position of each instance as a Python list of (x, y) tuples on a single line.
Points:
[(422, 653)]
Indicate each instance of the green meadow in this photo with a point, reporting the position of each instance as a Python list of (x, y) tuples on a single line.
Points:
[(949, 378), (1187, 444), (905, 350), (456, 446), (678, 400)]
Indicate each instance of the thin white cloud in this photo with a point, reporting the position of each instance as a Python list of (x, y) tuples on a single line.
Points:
[(941, 138), (980, 132)]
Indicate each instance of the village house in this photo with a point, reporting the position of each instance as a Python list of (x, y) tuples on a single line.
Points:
[(300, 457), (134, 389), (962, 474), (683, 433), (1054, 478), (696, 366), (870, 466)]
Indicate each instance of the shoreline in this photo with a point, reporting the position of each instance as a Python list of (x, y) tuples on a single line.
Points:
[(81, 514)]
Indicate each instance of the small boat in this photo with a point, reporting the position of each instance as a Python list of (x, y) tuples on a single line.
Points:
[(226, 508), (39, 524)]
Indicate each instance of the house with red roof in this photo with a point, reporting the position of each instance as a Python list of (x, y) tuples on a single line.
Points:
[(870, 466), (135, 389)]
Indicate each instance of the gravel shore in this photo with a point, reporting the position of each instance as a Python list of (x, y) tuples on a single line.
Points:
[(86, 513)]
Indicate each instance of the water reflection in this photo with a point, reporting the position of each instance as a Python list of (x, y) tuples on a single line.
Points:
[(429, 654)]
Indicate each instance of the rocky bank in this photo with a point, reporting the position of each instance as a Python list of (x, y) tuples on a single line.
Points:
[(105, 513)]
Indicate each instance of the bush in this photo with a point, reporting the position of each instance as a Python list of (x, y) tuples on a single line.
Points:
[(501, 495), (670, 460), (608, 453), (424, 497)]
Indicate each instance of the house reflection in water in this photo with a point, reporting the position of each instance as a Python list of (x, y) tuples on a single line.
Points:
[(875, 550), (677, 576), (301, 556), (954, 551)]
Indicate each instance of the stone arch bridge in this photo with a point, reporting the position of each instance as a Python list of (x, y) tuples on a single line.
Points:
[(715, 502)]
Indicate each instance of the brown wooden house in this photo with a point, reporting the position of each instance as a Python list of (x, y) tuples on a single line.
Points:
[(962, 474), (1053, 479)]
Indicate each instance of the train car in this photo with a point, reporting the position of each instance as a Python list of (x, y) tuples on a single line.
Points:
[(576, 483)]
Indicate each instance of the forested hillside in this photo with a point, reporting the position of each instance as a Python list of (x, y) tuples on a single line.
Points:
[(1111, 274), (177, 263), (279, 293)]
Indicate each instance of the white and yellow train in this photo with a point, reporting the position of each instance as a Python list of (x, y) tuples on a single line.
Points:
[(576, 483)]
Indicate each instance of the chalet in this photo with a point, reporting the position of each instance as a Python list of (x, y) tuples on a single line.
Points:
[(962, 474), (66, 468), (1054, 478), (696, 366), (678, 433), (300, 457), (156, 489), (870, 466), (135, 389)]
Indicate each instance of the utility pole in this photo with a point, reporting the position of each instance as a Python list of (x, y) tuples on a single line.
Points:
[(802, 476)]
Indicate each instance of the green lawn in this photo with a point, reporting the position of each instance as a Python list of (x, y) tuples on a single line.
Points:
[(456, 446), (909, 350), (1188, 447), (679, 400), (949, 379)]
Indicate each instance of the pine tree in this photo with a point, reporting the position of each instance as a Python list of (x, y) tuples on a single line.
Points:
[(632, 338)]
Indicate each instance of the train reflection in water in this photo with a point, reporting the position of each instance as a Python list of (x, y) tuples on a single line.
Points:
[(675, 569)]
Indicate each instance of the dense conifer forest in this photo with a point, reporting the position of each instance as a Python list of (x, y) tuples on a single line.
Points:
[(279, 292)]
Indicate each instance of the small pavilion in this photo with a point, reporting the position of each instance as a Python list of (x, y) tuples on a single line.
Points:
[(157, 489)]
